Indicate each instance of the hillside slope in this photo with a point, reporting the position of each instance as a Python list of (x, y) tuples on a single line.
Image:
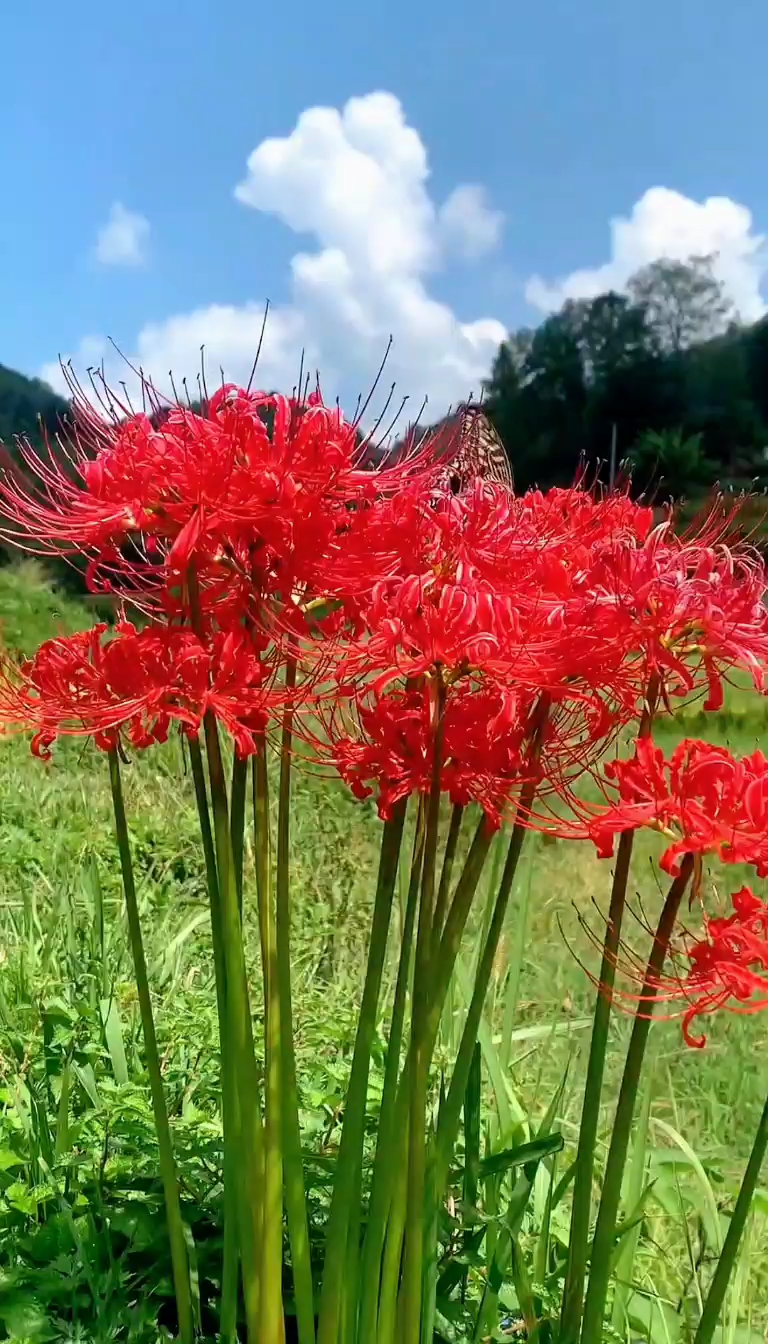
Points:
[(24, 403)]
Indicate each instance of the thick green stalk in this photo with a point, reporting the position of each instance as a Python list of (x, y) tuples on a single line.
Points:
[(440, 979), (444, 961), (230, 1260), (605, 1228), (212, 877), (725, 1265), (351, 1146), (237, 820), (578, 1244), (231, 1250), (512, 983), (390, 1273), (293, 1168), (271, 1319), (387, 1139), (449, 854), (437, 980), (450, 1111), (168, 1173), (420, 1054), (239, 1046)]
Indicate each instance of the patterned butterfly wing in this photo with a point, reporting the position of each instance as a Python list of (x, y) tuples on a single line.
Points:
[(470, 448), (480, 451)]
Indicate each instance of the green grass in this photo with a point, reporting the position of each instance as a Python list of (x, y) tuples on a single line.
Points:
[(82, 1250)]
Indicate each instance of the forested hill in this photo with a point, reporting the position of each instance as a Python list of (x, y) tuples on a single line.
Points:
[(24, 403)]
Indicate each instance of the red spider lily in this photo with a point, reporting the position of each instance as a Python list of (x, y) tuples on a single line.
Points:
[(389, 741), (136, 683), (726, 968), (255, 489), (385, 742), (547, 590), (483, 581), (685, 610), (704, 799)]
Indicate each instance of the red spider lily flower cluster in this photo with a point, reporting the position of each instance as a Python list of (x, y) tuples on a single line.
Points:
[(725, 968), (393, 744), (702, 798), (138, 682), (689, 608), (567, 594), (705, 801), (253, 491), (250, 533)]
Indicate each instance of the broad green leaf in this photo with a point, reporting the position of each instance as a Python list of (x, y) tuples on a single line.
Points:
[(709, 1210), (87, 1080), (113, 1034), (521, 1155)]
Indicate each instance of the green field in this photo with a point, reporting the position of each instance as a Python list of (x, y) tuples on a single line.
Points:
[(82, 1248)]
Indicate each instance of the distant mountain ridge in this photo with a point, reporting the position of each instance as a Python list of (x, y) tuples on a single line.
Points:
[(24, 404)]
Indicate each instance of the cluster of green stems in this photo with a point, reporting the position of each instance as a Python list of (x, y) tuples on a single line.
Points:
[(379, 1277)]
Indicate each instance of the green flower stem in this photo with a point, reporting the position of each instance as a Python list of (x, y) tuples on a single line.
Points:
[(261, 835), (450, 1111), (293, 1169), (444, 961), (434, 983), (725, 1265), (239, 1048), (237, 820), (229, 1272), (179, 1262), (578, 1244), (441, 974), (449, 855), (388, 1133), (231, 1249), (605, 1228), (351, 1147), (388, 1306), (420, 1053), (271, 1318)]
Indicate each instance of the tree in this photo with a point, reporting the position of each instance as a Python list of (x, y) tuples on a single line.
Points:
[(556, 393), (536, 397), (669, 463), (684, 301), (721, 405)]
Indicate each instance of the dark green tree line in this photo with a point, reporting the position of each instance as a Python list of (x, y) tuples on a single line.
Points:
[(666, 368)]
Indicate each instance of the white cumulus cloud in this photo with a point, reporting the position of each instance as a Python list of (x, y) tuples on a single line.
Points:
[(353, 182), (123, 240), (665, 223), (469, 225)]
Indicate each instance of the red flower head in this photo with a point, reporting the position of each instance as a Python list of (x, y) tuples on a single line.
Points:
[(388, 744), (486, 582), (254, 487), (704, 799), (684, 609), (136, 683), (727, 968)]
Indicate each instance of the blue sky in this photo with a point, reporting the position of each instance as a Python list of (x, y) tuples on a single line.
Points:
[(538, 124)]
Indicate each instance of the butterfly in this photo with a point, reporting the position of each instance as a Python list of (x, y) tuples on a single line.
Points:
[(475, 450)]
